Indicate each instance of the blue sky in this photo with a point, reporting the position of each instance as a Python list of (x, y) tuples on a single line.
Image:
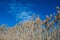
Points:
[(13, 11)]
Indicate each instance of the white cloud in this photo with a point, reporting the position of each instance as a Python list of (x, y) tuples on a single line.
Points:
[(20, 11), (23, 16)]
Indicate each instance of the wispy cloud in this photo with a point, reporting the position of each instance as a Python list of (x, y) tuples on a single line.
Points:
[(20, 11), (24, 16)]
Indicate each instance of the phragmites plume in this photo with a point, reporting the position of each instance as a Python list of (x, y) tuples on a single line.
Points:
[(34, 29)]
